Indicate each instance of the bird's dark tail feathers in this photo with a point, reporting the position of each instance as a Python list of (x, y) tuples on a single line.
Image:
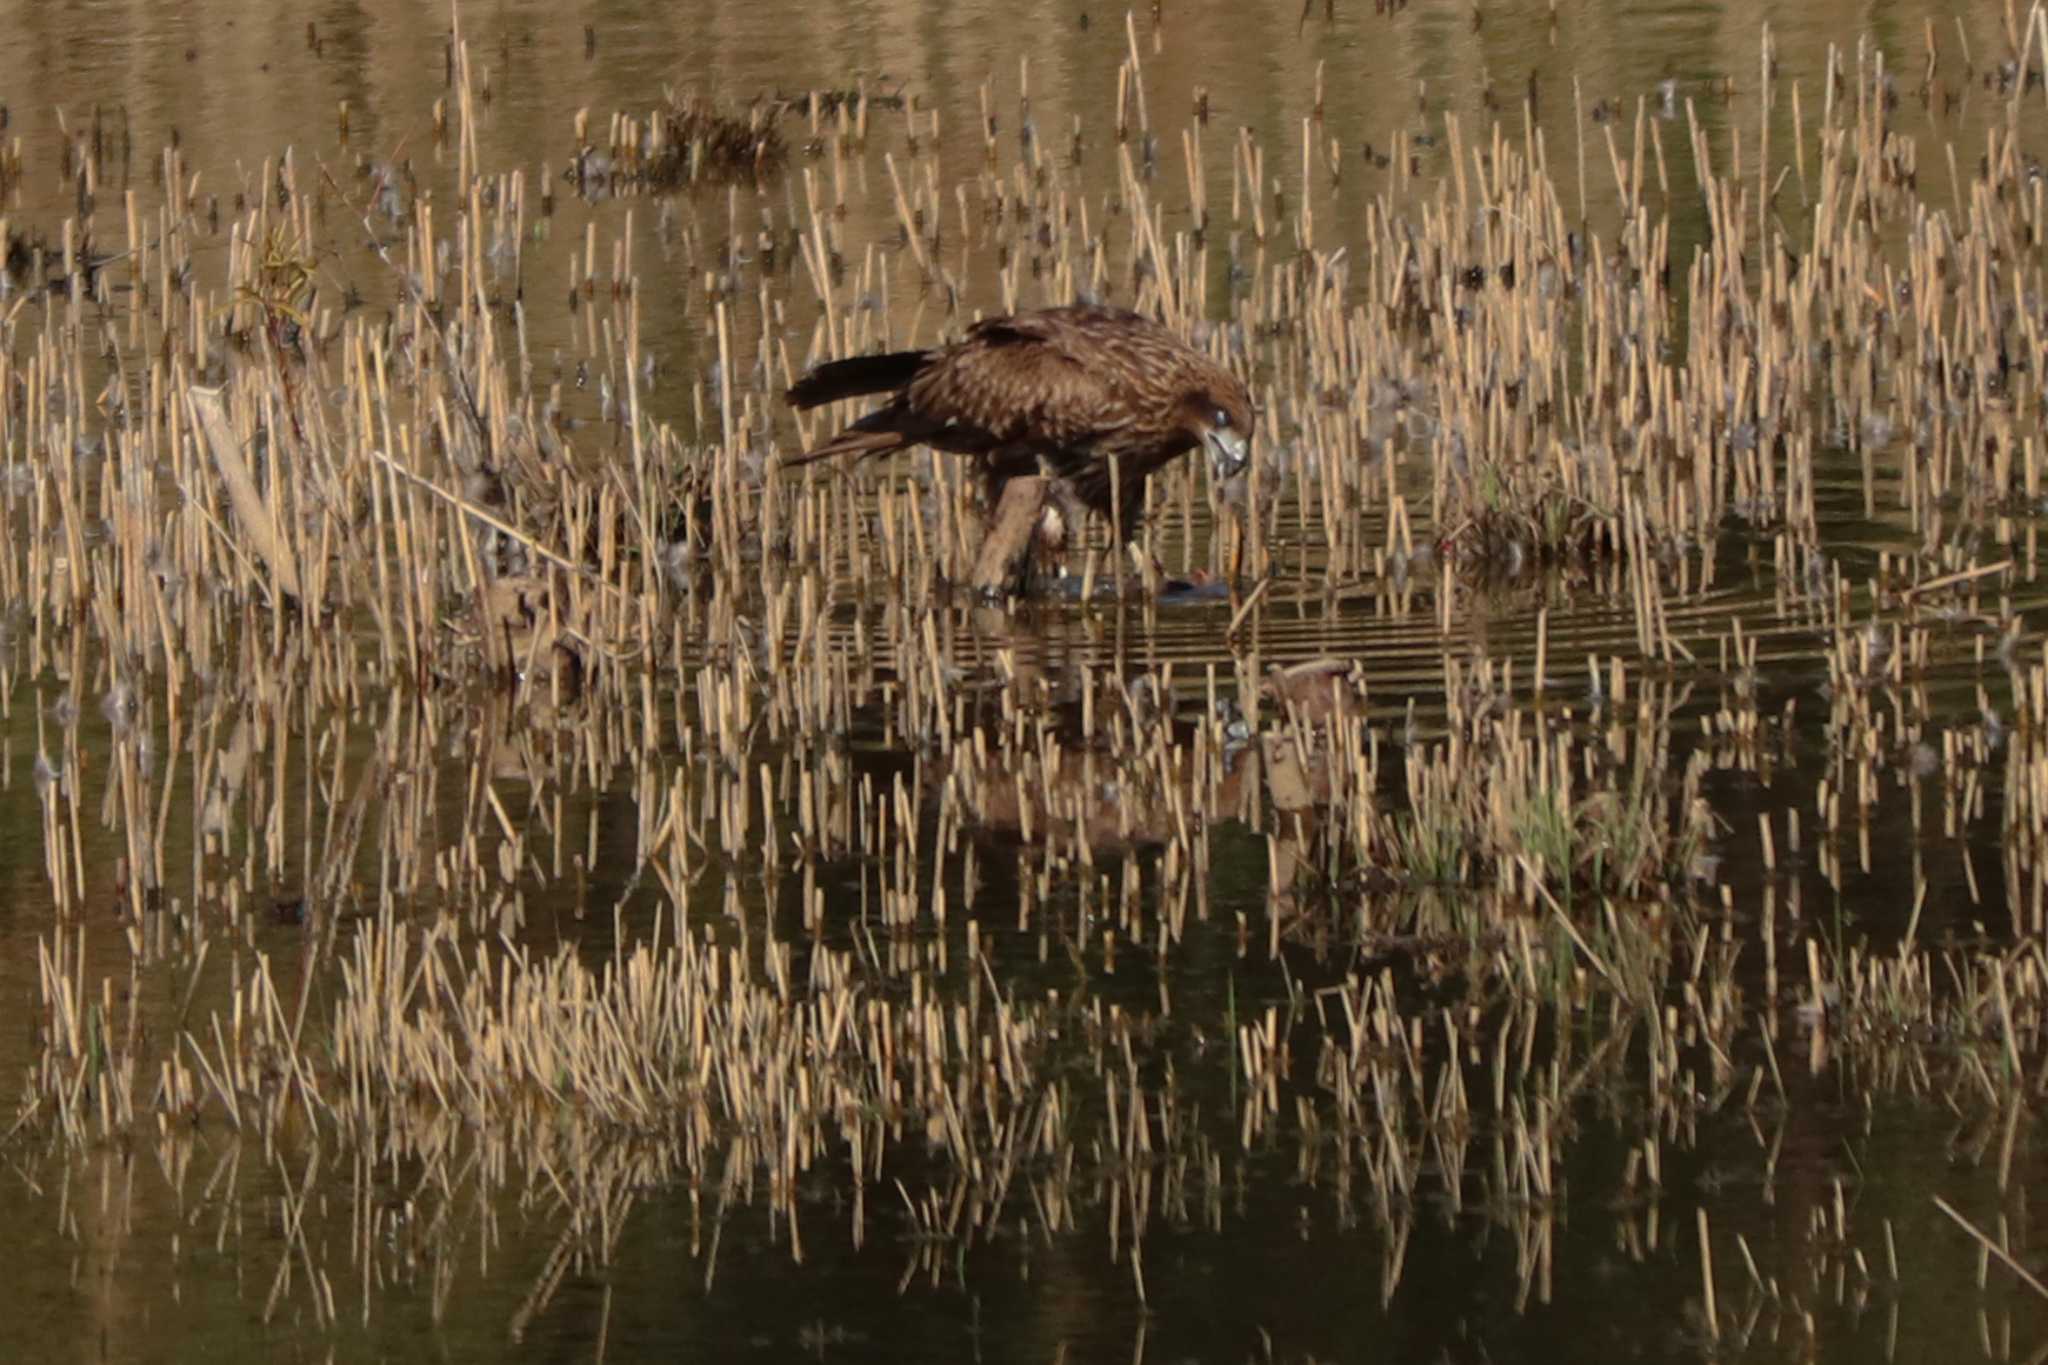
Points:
[(862, 445), (855, 376)]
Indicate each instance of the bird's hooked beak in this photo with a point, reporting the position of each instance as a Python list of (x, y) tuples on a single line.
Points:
[(1229, 451)]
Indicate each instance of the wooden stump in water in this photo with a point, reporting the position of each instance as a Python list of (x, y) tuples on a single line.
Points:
[(1001, 561)]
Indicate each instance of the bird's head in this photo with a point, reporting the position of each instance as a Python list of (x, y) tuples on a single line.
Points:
[(1220, 415)]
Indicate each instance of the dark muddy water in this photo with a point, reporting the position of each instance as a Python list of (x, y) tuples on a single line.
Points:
[(175, 1245)]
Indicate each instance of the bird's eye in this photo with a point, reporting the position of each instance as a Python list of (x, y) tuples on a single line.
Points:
[(1222, 418)]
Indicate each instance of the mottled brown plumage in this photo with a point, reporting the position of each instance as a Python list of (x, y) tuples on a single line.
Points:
[(1074, 391)]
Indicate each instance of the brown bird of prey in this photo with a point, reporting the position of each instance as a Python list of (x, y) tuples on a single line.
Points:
[(1077, 392)]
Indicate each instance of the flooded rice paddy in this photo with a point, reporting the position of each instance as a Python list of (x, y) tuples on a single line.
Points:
[(1548, 862)]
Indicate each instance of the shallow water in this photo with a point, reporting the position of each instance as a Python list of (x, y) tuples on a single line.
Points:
[(1256, 1247)]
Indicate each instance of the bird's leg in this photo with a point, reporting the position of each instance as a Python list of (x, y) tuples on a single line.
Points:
[(1124, 515), (1072, 513), (1129, 509), (1151, 573), (1003, 565)]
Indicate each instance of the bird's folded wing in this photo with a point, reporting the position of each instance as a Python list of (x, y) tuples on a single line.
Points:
[(1022, 387)]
